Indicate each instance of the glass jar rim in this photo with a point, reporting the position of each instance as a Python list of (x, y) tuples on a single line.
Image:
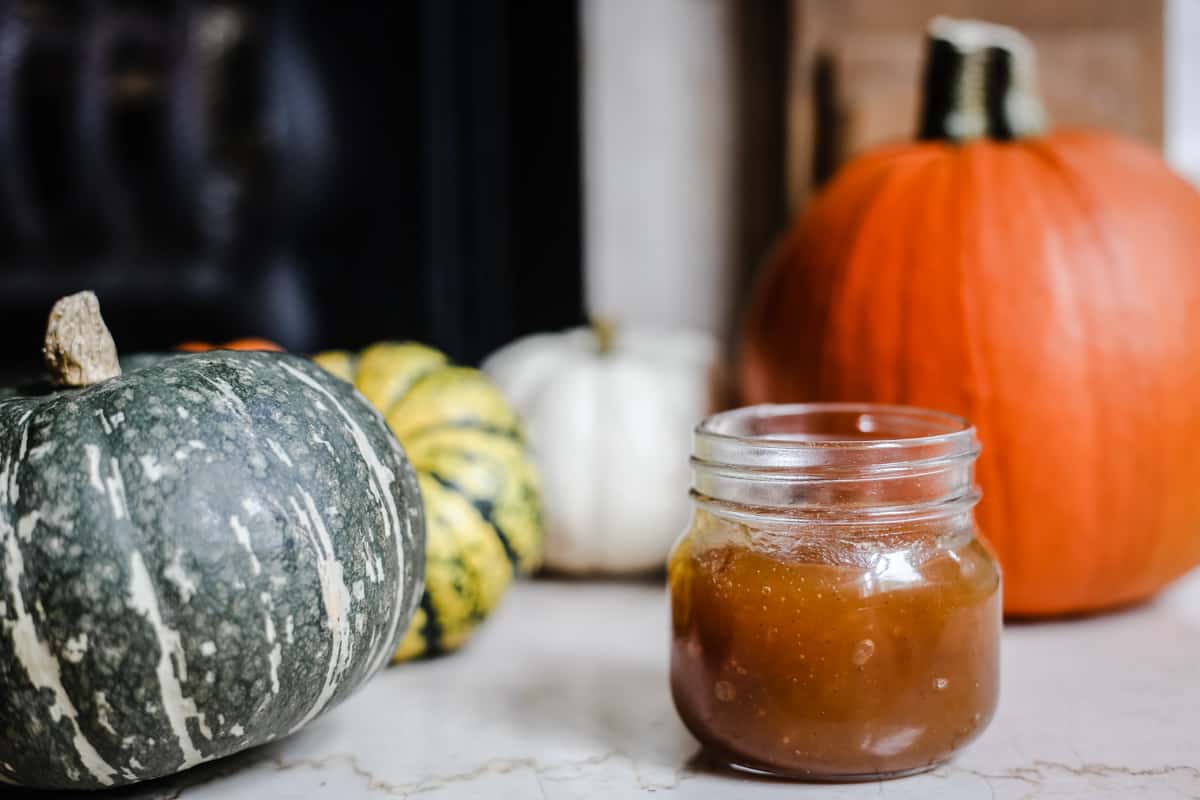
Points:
[(881, 434), (837, 462), (954, 427)]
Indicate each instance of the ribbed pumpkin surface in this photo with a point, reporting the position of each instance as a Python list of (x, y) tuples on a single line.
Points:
[(197, 557), (483, 512)]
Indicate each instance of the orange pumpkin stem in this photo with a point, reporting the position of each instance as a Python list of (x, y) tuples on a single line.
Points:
[(980, 82)]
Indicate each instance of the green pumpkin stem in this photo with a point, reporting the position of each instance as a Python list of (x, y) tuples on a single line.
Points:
[(79, 350), (980, 81)]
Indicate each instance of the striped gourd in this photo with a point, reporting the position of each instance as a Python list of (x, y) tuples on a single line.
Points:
[(482, 501)]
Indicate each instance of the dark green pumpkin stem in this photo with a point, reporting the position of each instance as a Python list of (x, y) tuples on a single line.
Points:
[(979, 82)]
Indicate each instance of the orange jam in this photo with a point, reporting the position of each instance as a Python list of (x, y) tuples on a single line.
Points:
[(814, 637), (795, 662)]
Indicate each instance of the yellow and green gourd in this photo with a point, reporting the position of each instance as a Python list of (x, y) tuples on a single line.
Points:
[(480, 489)]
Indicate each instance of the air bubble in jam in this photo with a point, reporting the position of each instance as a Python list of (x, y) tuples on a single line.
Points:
[(940, 683), (863, 652), (724, 691)]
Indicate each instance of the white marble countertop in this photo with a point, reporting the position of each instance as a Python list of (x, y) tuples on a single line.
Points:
[(564, 695)]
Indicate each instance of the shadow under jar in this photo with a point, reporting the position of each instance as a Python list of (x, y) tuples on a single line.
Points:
[(834, 614)]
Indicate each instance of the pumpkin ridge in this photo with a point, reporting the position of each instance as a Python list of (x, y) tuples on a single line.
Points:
[(1061, 176), (995, 504), (484, 507), (969, 166), (977, 392), (893, 179), (910, 309), (846, 242), (908, 262), (1099, 234)]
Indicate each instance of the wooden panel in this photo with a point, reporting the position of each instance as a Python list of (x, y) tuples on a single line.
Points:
[(855, 70)]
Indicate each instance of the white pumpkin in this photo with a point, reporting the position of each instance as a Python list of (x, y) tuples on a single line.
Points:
[(609, 417)]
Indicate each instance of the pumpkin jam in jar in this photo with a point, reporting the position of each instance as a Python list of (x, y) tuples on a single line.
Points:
[(834, 616)]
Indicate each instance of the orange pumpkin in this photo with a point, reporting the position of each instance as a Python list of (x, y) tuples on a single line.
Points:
[(1046, 286), (249, 343)]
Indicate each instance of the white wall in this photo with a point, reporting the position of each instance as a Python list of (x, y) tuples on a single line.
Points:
[(658, 77)]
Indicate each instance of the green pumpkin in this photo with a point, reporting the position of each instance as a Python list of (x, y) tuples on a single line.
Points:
[(196, 557), (482, 503)]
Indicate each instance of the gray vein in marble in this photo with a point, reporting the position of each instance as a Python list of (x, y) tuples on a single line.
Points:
[(1035, 774), (434, 782), (1041, 771)]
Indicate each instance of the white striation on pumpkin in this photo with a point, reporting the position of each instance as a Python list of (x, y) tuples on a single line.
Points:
[(39, 662), (381, 495), (14, 488), (42, 450), (336, 598), (280, 453), (178, 577), (369, 563), (103, 710), (611, 434), (93, 464), (151, 468), (116, 491), (172, 667), (183, 453), (242, 534), (275, 657), (27, 523), (226, 400)]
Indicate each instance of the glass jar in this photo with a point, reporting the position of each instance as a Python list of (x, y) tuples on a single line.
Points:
[(834, 615)]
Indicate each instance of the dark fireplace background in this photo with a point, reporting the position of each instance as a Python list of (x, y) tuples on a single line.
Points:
[(320, 174)]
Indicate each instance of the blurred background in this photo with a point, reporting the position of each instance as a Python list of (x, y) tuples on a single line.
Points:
[(463, 172)]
